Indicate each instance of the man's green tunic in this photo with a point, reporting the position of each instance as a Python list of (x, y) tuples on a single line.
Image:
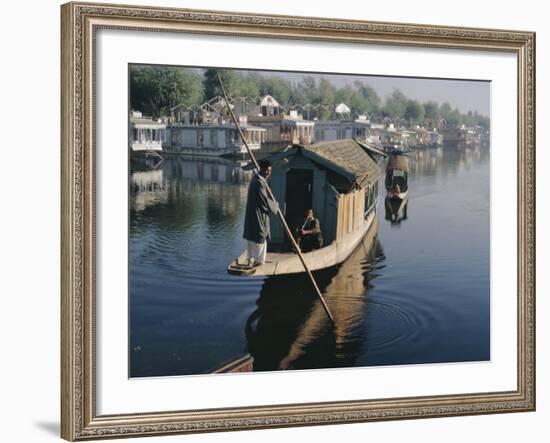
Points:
[(258, 205)]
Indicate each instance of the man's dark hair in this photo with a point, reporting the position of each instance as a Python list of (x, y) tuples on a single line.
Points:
[(264, 164)]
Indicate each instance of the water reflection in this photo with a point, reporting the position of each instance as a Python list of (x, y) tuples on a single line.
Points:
[(147, 188), (396, 210), (424, 299), (290, 329), (445, 161)]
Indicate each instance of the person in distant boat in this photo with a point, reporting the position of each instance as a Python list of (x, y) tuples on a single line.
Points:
[(310, 236), (256, 219)]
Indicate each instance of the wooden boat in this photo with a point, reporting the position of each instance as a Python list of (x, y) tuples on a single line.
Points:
[(397, 172), (239, 364), (339, 181)]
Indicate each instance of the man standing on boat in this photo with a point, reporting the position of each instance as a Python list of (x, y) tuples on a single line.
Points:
[(256, 219)]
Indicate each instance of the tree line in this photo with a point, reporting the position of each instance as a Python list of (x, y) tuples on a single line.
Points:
[(154, 90)]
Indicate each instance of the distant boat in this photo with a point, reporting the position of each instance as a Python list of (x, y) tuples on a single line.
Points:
[(397, 175), (339, 181)]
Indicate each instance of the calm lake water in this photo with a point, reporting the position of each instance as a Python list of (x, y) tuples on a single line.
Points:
[(420, 294)]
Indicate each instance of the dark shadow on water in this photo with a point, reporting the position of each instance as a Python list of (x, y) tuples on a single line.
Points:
[(49, 427), (289, 328)]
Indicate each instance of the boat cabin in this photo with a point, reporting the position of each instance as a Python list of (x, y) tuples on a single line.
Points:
[(397, 173), (337, 179), (214, 139), (145, 133)]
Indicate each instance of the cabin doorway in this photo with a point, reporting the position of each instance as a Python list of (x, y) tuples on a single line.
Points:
[(299, 196)]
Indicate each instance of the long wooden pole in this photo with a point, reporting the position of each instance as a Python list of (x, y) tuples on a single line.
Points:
[(279, 213)]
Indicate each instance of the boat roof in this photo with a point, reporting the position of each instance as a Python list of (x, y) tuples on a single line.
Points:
[(372, 149), (398, 162), (344, 157), (146, 123)]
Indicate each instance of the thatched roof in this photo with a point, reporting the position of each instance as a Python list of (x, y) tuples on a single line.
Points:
[(344, 158), (347, 156), (398, 162)]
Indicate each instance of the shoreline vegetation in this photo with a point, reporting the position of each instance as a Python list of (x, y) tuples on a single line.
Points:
[(155, 90)]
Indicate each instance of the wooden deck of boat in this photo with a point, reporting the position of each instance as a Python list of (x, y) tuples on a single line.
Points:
[(289, 262)]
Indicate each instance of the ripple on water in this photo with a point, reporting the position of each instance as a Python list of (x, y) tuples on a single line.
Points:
[(392, 325)]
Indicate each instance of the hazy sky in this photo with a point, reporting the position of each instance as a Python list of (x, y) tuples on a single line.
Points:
[(465, 95)]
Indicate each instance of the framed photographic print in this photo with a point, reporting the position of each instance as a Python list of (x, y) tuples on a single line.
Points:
[(282, 221)]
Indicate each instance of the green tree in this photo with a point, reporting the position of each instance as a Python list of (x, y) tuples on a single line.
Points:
[(431, 110), (211, 84), (445, 110), (308, 90), (370, 99), (249, 85), (348, 95), (414, 111), (327, 96), (154, 90), (395, 105), (278, 88)]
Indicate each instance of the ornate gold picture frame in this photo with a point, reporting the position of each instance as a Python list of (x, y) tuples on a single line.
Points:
[(80, 23)]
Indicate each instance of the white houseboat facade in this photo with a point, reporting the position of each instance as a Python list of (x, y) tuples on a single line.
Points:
[(331, 130), (146, 134)]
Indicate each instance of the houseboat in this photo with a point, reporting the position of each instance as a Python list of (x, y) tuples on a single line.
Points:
[(283, 130), (435, 139), (146, 134), (339, 181), (397, 174), (329, 130), (214, 138), (459, 137), (418, 138), (394, 140)]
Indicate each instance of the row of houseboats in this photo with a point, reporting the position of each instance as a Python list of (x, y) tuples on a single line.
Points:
[(268, 128)]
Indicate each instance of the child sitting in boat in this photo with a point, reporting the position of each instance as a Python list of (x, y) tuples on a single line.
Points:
[(309, 235)]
